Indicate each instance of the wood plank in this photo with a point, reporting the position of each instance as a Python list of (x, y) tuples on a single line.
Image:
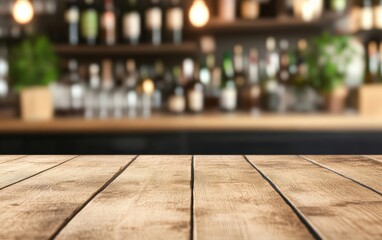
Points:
[(35, 208), (336, 207), (150, 200), (375, 157), (358, 168), (22, 168), (233, 201), (7, 158)]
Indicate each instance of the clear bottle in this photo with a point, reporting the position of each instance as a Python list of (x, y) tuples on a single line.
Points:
[(271, 96), (194, 88), (72, 16), (252, 92), (373, 63), (130, 86), (4, 69), (154, 15), (146, 91), (377, 12), (92, 92), (131, 22), (283, 76), (175, 21), (76, 89), (176, 102), (106, 102), (157, 99), (366, 15)]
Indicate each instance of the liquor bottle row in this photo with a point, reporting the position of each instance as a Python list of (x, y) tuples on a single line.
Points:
[(40, 7), (367, 14), (110, 23), (308, 10), (242, 81)]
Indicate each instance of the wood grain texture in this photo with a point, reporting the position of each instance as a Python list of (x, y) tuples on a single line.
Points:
[(7, 158), (151, 199), (361, 169), (233, 201), (336, 207), (35, 208), (21, 168)]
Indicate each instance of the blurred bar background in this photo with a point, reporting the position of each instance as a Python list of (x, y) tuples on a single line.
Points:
[(191, 76)]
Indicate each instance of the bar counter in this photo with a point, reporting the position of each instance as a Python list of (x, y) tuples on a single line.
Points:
[(202, 122)]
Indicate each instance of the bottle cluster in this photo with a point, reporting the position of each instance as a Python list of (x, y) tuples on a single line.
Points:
[(244, 80), (113, 21)]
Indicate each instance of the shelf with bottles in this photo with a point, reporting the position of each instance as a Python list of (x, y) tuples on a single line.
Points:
[(247, 16), (244, 80), (185, 48)]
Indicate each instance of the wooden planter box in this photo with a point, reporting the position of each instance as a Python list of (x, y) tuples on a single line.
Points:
[(36, 103)]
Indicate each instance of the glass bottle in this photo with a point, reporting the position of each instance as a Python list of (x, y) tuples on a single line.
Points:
[(366, 15), (157, 98), (92, 92), (154, 22), (377, 12), (228, 91), (89, 22), (176, 102), (4, 69), (108, 23), (106, 94), (174, 21), (271, 96), (194, 88), (250, 9), (252, 91), (338, 6), (130, 86), (227, 10), (131, 22), (373, 63), (77, 90), (72, 16), (283, 75)]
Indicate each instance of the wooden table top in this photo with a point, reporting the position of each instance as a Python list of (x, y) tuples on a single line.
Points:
[(191, 197), (200, 122)]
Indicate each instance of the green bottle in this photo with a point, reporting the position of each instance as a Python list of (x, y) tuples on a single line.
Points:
[(90, 22), (228, 91)]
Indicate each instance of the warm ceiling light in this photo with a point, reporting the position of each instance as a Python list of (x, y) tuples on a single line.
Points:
[(199, 13), (22, 11)]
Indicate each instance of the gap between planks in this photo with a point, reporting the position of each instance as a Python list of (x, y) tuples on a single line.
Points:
[(34, 174), (299, 214), (76, 211), (324, 166)]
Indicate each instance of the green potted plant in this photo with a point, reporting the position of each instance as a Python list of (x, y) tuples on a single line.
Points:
[(33, 67), (328, 60)]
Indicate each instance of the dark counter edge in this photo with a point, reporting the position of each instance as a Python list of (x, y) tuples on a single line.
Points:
[(194, 142)]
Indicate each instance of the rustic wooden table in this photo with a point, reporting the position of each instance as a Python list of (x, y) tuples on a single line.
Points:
[(190, 197)]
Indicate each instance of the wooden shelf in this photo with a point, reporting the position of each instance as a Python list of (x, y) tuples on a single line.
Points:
[(203, 122), (186, 48), (268, 24)]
